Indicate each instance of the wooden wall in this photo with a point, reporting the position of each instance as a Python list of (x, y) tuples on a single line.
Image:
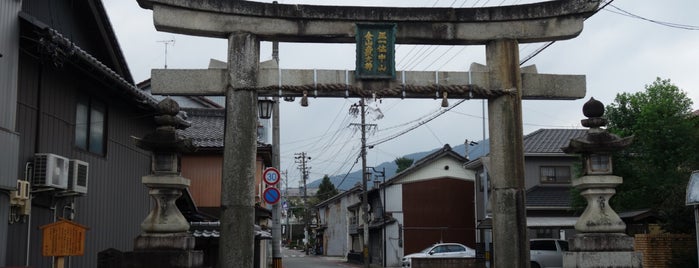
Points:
[(204, 173), (438, 210)]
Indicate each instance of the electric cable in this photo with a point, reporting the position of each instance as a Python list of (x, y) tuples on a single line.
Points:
[(663, 23), (348, 172), (548, 44), (417, 125)]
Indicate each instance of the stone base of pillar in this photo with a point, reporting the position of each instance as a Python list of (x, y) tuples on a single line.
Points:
[(163, 258), (165, 241), (602, 250), (164, 250)]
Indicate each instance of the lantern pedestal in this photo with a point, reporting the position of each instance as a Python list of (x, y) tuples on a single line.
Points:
[(598, 216), (602, 250)]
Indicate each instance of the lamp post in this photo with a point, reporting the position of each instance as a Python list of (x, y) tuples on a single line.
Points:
[(267, 108)]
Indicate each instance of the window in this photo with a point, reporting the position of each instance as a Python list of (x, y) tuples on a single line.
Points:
[(555, 174), (440, 249), (90, 116), (563, 245), (544, 233), (542, 245), (456, 248)]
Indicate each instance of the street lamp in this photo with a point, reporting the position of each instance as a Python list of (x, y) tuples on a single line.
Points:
[(264, 107)]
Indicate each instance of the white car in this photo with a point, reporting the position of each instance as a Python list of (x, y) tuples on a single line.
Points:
[(441, 250), (547, 253)]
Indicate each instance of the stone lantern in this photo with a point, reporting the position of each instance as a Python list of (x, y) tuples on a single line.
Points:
[(601, 240), (165, 237)]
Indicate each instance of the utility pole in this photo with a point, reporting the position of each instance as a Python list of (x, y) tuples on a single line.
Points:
[(301, 159), (276, 211), (365, 202)]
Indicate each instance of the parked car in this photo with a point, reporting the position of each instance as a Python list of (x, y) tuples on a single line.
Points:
[(547, 253), (441, 250)]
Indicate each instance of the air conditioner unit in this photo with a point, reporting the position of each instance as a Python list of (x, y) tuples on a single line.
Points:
[(77, 176), (50, 170)]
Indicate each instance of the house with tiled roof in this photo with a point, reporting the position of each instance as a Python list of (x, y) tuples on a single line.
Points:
[(201, 204), (204, 166), (432, 201), (67, 96), (548, 174)]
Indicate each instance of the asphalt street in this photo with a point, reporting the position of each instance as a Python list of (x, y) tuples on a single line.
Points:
[(298, 259)]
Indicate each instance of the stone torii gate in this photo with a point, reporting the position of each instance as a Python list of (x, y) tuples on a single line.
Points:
[(501, 82)]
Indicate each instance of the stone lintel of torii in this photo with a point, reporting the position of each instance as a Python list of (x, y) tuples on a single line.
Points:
[(275, 82), (538, 22), (501, 81)]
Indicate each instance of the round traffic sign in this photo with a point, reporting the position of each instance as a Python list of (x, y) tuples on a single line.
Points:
[(271, 176), (272, 195)]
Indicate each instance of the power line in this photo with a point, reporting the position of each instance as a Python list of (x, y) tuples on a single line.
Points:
[(348, 172), (539, 50), (416, 126), (663, 23)]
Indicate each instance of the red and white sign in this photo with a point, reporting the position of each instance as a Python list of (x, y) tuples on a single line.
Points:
[(271, 176)]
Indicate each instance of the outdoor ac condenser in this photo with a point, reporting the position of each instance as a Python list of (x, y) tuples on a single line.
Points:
[(77, 176), (50, 170)]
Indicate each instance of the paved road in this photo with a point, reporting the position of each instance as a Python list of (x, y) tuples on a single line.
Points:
[(298, 259)]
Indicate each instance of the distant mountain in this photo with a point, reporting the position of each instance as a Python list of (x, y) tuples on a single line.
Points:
[(344, 183)]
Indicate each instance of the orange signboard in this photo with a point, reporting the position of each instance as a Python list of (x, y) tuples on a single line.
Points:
[(63, 238)]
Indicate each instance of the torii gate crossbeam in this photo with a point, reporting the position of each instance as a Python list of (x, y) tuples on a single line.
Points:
[(500, 29)]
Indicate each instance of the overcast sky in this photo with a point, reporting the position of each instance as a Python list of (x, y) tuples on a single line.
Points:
[(616, 53)]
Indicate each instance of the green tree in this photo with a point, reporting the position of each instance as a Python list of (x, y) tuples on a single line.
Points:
[(403, 163), (326, 190), (657, 166)]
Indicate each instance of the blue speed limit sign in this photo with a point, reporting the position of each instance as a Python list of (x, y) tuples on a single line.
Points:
[(271, 176)]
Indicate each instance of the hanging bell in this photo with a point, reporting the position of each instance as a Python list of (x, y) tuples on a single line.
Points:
[(445, 102), (304, 99)]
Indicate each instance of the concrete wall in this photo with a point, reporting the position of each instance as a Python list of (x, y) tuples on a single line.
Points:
[(336, 238), (447, 263), (394, 235), (443, 167)]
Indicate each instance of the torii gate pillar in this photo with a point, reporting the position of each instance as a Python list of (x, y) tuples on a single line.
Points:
[(506, 146), (237, 205)]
